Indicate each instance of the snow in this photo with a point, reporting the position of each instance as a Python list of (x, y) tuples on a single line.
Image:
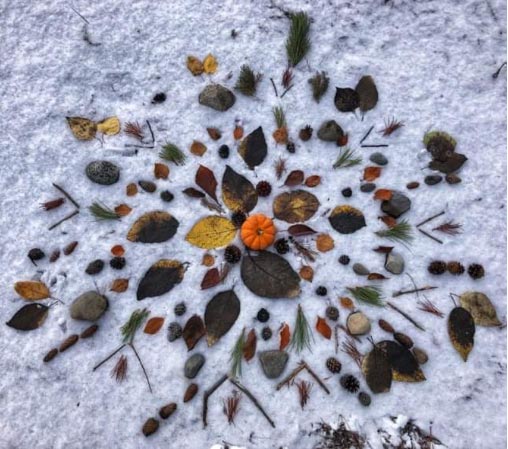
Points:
[(433, 63)]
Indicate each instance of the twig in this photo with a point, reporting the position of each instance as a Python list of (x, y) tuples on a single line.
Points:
[(142, 366), (82, 17), (345, 329), (406, 316), (252, 398), (67, 217), (496, 73), (381, 145), (316, 378), (290, 377), (109, 357), (430, 218), (71, 199), (274, 87), (415, 290), (367, 134), (287, 90), (336, 335), (151, 132), (208, 393), (430, 236)]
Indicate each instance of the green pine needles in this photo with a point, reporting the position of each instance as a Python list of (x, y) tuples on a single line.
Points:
[(279, 116), (402, 232), (302, 334), (102, 212), (319, 84), (170, 152), (298, 43), (247, 81), (135, 321), (369, 294), (237, 355), (347, 158)]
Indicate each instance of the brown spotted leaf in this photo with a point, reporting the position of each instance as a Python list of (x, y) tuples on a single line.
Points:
[(29, 317), (206, 180), (153, 325), (220, 314), (160, 278), (249, 347), (461, 330), (193, 331), (153, 227), (238, 193), (323, 328), (296, 206)]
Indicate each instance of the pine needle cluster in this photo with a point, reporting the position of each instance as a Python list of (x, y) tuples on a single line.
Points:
[(237, 355), (102, 212), (401, 232), (319, 84), (280, 117), (347, 158), (170, 152), (298, 43), (135, 321), (247, 81), (302, 334), (369, 294)]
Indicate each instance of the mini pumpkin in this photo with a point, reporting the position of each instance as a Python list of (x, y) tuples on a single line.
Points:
[(258, 232)]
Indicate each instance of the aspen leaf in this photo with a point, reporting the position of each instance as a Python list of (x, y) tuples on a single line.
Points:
[(82, 128), (109, 126), (120, 285), (160, 170), (371, 173), (210, 64), (122, 210), (285, 336), (32, 290), (153, 325), (249, 348), (383, 194), (195, 65), (29, 317), (211, 232), (323, 328)]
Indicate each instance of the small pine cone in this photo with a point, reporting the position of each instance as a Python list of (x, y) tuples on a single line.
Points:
[(36, 254), (332, 313), (333, 365), (180, 309), (89, 331), (263, 315), (350, 383), (263, 188), (476, 271), (291, 147), (282, 246), (117, 263), (68, 342), (321, 290), (174, 331), (238, 218), (266, 333), (455, 268), (344, 259), (232, 254), (437, 267), (305, 133)]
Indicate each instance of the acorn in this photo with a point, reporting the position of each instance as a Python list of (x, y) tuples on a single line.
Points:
[(437, 267), (333, 365), (455, 268), (350, 383), (332, 313), (232, 254), (282, 246), (476, 271), (263, 188)]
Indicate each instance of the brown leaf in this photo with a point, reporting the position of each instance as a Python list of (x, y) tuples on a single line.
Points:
[(294, 178), (118, 250), (193, 193), (69, 249), (383, 194), (131, 189), (193, 330), (323, 328), (388, 221), (160, 170), (238, 193), (211, 278), (29, 317), (153, 227), (253, 148), (238, 132), (324, 243), (377, 371), (198, 148), (206, 180), (376, 277), (313, 181), (384, 249), (296, 206), (160, 278), (307, 273), (191, 391), (299, 230), (214, 133), (220, 314), (249, 348), (122, 210), (120, 285), (285, 336), (461, 330), (371, 173), (153, 325), (32, 290)]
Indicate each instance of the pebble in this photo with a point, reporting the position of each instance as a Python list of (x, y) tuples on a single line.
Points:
[(273, 362), (368, 187), (102, 172), (397, 205), (193, 365), (452, 178), (217, 97), (364, 398), (378, 158), (89, 306), (330, 131), (420, 355), (347, 192), (360, 270), (147, 186), (358, 323), (394, 263), (95, 267), (412, 185), (432, 180)]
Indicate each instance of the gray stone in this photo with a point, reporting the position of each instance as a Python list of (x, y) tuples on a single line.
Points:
[(378, 158), (217, 97), (360, 269), (432, 180), (394, 263), (193, 364), (358, 324), (397, 205), (330, 131), (102, 172), (368, 187), (89, 306), (273, 362)]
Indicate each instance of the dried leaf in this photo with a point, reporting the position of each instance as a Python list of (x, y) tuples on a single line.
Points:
[(371, 173), (214, 133), (120, 285), (198, 148), (160, 170), (324, 243), (285, 336), (122, 210), (346, 302), (376, 277), (153, 227), (388, 221), (206, 180), (195, 65), (208, 260), (160, 278), (461, 330), (131, 189), (384, 249), (346, 99), (238, 132), (480, 307), (210, 64), (238, 193), (32, 290), (153, 325), (270, 276), (294, 178), (109, 126), (193, 193), (220, 314), (211, 278), (313, 181), (323, 328), (383, 194), (249, 347), (346, 219), (212, 232), (193, 330), (296, 206), (307, 273), (367, 91), (405, 368), (377, 371), (253, 148), (300, 230), (118, 250), (82, 128), (29, 317)]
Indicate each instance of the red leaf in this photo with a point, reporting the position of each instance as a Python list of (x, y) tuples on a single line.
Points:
[(323, 328), (383, 194), (285, 335), (313, 181), (388, 221), (376, 277), (371, 173), (295, 178), (210, 279), (299, 230), (206, 180), (193, 331), (153, 325), (249, 349)]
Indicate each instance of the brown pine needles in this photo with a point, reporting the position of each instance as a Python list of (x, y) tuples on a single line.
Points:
[(391, 125), (231, 406), (449, 228), (428, 306), (280, 168), (304, 389), (349, 347), (119, 372), (134, 129)]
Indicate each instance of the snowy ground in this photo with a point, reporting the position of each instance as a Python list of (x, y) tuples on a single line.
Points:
[(433, 63)]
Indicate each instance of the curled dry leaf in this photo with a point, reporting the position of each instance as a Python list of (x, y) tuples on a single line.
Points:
[(214, 133), (208, 260), (307, 273), (212, 232), (296, 206), (198, 148), (82, 128), (122, 210), (32, 290), (249, 348), (220, 314), (371, 173), (300, 230), (284, 336), (295, 178), (153, 325), (29, 317), (160, 170), (118, 250), (324, 243), (193, 331), (206, 180), (153, 227), (109, 126), (313, 181), (383, 194), (323, 328), (194, 65), (120, 285), (131, 189)]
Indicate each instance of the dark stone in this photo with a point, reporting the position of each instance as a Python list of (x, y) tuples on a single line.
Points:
[(102, 172), (217, 97), (273, 362), (95, 267), (412, 185), (452, 164), (347, 192), (193, 364), (378, 158), (330, 131), (368, 187), (397, 205), (159, 98), (432, 180)]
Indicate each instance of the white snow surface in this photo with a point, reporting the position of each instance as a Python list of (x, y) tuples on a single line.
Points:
[(433, 63)]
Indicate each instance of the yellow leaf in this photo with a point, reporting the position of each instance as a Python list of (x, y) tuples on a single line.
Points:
[(210, 64), (211, 232), (195, 65), (32, 290), (82, 128), (109, 126)]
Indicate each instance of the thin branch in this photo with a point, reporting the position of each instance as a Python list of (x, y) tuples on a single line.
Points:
[(430, 236), (108, 357), (367, 134), (71, 199), (383, 145), (430, 218), (287, 90), (208, 393), (287, 380), (142, 366), (496, 73), (67, 217), (274, 87), (405, 315), (336, 338), (415, 290), (316, 378)]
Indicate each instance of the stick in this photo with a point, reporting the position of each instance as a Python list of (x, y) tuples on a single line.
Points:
[(252, 398), (381, 145), (317, 379), (142, 366), (290, 377), (406, 316), (71, 199), (430, 236), (208, 393), (415, 290), (287, 90), (430, 218), (68, 217), (367, 134), (82, 17), (108, 357), (336, 332), (496, 74), (151, 132), (274, 87)]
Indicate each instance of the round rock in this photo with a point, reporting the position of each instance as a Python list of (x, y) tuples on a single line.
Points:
[(360, 270), (217, 97), (330, 131), (102, 172), (368, 187), (432, 180), (193, 365), (378, 158), (394, 263), (273, 362), (397, 205), (89, 306), (358, 323)]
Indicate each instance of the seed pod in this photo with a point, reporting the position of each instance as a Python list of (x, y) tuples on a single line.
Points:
[(89, 331), (166, 411), (191, 391), (68, 342), (69, 249), (151, 426), (403, 339), (54, 255), (386, 326), (50, 355)]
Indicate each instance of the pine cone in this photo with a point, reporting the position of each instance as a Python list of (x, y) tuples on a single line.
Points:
[(291, 147), (476, 271), (282, 246), (437, 267), (263, 315), (174, 331), (232, 254), (180, 309), (344, 259), (263, 188), (455, 268), (350, 383), (333, 365), (117, 263)]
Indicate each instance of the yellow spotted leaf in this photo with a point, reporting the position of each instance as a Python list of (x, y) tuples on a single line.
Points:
[(195, 65), (211, 232), (82, 128), (32, 290), (210, 64), (109, 126)]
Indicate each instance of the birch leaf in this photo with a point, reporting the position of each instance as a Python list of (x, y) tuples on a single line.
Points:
[(210, 64), (32, 290), (212, 232)]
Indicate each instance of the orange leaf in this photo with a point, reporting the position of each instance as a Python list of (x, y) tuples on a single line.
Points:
[(371, 173), (346, 302), (323, 328), (120, 285), (118, 250), (388, 221), (211, 278), (161, 171), (198, 148), (313, 181), (122, 210), (249, 349), (383, 194), (214, 133), (131, 189), (153, 325), (285, 335)]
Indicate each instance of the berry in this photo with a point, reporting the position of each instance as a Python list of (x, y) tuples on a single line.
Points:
[(263, 188), (455, 268), (167, 196), (224, 151), (266, 333), (344, 259), (437, 267), (332, 313), (347, 192), (291, 147), (321, 291), (159, 98), (95, 267), (238, 218), (350, 383), (36, 254), (263, 315), (476, 271), (364, 398), (117, 263), (180, 309), (174, 331), (305, 133), (333, 365), (232, 254), (282, 246)]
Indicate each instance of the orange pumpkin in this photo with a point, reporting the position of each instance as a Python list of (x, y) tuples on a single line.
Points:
[(258, 232)]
